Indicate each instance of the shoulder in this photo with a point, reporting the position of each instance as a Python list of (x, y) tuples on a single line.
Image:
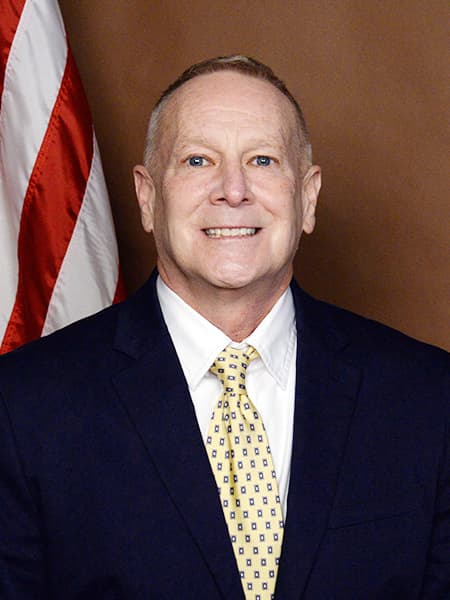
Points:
[(388, 358), (93, 347), (72, 346), (368, 335)]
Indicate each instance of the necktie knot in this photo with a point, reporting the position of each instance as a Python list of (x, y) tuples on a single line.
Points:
[(230, 367)]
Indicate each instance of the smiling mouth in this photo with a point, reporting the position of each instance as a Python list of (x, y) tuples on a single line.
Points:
[(226, 232)]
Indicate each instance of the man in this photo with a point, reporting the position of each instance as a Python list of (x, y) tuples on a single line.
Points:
[(323, 474)]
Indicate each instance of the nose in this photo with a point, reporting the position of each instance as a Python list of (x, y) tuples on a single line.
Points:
[(232, 185)]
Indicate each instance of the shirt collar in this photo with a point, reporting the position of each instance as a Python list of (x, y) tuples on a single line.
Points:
[(275, 338), (198, 342)]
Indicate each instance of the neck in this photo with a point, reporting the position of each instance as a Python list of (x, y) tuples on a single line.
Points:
[(236, 312), (237, 317)]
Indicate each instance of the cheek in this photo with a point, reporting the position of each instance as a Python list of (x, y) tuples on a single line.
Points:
[(159, 217), (292, 217), (289, 209), (168, 206), (182, 197), (282, 196)]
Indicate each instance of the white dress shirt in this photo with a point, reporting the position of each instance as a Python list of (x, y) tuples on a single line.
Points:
[(270, 380)]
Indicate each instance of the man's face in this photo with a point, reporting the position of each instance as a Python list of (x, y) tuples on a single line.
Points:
[(228, 201)]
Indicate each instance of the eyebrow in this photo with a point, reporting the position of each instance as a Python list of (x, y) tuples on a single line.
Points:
[(262, 142), (186, 143)]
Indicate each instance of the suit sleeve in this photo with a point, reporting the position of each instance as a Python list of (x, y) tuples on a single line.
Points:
[(21, 549), (437, 575)]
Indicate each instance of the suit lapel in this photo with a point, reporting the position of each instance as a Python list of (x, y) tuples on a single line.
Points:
[(164, 418), (326, 391), (155, 395)]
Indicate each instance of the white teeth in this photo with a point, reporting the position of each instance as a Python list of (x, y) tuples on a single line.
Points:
[(230, 232)]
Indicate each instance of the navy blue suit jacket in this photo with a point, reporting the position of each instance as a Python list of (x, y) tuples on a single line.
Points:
[(106, 490)]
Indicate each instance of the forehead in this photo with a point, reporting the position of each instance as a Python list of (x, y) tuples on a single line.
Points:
[(228, 99)]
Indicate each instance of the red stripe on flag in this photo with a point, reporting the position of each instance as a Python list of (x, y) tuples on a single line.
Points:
[(10, 17), (51, 206), (120, 293)]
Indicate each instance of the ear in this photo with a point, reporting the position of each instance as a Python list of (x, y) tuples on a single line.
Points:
[(310, 193), (146, 193)]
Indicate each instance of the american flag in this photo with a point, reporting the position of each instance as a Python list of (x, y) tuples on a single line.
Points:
[(58, 252)]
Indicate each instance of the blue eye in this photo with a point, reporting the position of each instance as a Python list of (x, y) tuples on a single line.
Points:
[(196, 161), (263, 161)]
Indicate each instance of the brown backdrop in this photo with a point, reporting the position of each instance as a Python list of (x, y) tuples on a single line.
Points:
[(373, 80)]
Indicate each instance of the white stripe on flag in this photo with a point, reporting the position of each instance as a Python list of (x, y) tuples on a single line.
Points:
[(88, 276)]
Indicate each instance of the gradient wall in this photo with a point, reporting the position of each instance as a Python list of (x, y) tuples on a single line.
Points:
[(372, 78)]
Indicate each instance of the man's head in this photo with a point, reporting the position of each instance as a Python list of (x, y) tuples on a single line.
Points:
[(229, 186)]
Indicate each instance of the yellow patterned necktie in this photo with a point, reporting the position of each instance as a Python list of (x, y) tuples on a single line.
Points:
[(240, 458)]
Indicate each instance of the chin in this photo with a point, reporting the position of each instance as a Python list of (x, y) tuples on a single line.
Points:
[(234, 279)]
